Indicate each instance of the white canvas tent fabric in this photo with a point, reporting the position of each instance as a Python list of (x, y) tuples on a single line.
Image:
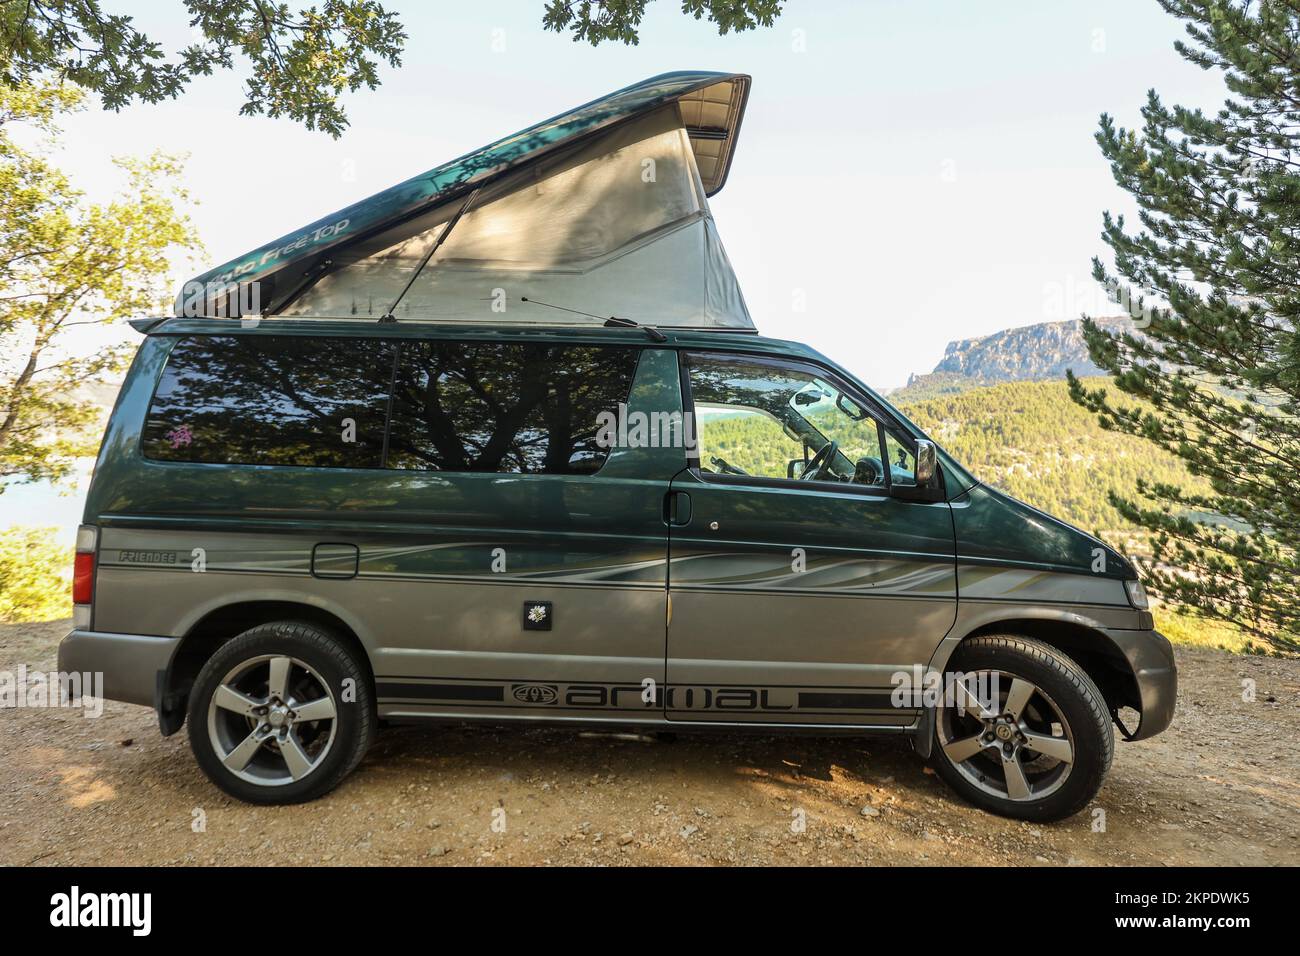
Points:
[(618, 225)]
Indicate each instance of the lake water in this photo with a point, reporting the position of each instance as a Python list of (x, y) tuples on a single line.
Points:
[(45, 505)]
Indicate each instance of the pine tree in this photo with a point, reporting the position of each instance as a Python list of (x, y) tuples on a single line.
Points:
[(1218, 368)]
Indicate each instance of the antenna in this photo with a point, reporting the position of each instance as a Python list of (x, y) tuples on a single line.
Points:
[(612, 322)]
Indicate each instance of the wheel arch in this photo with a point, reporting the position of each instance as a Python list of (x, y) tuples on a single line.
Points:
[(1086, 644), (220, 624)]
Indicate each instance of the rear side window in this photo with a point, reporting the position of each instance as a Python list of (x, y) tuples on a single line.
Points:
[(487, 407), (272, 400)]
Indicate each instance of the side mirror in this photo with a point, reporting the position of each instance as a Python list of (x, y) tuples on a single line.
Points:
[(925, 461)]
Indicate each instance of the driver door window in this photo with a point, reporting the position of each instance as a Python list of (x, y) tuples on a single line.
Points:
[(768, 420)]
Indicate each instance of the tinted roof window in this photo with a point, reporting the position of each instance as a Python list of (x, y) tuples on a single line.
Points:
[(272, 400), (525, 409)]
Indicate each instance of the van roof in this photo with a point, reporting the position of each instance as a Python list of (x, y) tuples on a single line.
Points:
[(740, 340)]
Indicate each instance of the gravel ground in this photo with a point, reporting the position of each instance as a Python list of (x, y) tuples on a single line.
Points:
[(1222, 786)]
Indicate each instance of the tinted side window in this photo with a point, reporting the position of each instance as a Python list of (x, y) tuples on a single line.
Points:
[(526, 409), (766, 419), (272, 400)]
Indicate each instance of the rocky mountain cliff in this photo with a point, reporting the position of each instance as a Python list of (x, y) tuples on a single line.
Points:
[(1027, 354)]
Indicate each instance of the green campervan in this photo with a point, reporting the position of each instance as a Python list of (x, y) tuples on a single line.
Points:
[(502, 444)]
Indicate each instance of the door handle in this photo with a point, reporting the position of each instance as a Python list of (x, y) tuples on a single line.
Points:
[(677, 509)]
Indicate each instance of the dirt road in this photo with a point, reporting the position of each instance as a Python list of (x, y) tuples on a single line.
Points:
[(1222, 786)]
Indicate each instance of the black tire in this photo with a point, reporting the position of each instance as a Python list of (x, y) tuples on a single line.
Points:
[(335, 662), (1078, 701)]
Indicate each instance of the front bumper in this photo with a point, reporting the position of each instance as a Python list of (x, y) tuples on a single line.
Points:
[(130, 663), (1150, 657)]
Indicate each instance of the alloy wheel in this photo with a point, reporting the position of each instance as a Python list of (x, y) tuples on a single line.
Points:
[(1018, 748), (272, 720)]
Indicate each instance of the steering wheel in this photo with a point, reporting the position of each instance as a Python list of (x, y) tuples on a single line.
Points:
[(819, 461), (867, 472)]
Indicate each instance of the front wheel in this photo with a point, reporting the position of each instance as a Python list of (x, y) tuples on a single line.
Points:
[(1024, 732), (281, 714)]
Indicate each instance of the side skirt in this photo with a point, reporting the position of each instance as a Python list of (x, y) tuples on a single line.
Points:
[(399, 716)]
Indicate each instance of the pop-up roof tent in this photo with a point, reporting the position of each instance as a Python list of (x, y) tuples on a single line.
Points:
[(596, 213)]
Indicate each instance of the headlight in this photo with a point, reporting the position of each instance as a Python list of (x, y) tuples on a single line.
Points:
[(1137, 595)]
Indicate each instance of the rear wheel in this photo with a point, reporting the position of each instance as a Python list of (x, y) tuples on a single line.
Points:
[(281, 714), (1025, 733)]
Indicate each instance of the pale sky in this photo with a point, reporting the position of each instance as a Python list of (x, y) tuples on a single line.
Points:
[(913, 172)]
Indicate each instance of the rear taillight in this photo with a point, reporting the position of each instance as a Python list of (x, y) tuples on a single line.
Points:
[(83, 574), (83, 578)]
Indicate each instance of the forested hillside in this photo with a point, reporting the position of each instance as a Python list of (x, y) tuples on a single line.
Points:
[(1030, 440)]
